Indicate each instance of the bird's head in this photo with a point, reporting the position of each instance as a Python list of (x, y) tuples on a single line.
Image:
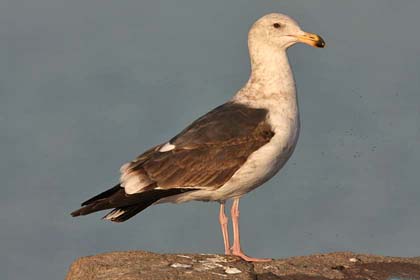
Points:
[(281, 31)]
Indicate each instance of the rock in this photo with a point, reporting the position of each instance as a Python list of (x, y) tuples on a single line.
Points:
[(135, 265), (144, 265)]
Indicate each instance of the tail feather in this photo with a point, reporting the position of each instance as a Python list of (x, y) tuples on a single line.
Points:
[(122, 214), (125, 205)]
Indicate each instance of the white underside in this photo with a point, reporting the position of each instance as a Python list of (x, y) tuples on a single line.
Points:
[(263, 163)]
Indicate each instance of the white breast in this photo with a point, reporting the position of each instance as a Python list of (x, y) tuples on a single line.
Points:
[(271, 86), (268, 160), (262, 164)]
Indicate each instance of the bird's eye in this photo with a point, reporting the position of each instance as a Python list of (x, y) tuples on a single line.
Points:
[(277, 25)]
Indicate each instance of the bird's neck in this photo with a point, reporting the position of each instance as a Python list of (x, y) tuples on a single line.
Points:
[(271, 76)]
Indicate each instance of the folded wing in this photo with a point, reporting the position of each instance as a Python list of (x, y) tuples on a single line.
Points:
[(203, 156)]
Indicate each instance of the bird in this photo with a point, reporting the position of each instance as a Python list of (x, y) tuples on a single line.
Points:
[(229, 151)]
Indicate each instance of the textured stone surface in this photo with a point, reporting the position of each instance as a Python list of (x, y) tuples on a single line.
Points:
[(144, 265)]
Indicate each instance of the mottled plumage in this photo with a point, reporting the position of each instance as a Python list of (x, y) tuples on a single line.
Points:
[(207, 153), (229, 151), (205, 156)]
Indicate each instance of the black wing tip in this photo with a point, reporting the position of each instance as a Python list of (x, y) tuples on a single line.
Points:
[(131, 204), (76, 213), (104, 194)]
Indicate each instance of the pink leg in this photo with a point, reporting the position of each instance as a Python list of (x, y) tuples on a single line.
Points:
[(236, 249), (224, 225)]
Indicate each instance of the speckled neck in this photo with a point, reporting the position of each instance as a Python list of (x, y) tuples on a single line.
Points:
[(271, 76)]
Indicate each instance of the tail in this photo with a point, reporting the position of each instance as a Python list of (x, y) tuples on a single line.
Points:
[(126, 206), (122, 214)]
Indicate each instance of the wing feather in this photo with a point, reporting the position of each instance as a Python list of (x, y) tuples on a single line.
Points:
[(205, 155)]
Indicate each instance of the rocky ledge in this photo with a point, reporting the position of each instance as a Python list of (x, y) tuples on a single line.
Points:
[(135, 265)]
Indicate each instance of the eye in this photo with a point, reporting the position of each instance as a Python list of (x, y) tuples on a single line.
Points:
[(277, 25)]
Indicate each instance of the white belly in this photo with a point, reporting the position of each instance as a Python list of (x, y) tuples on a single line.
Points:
[(259, 167), (263, 163)]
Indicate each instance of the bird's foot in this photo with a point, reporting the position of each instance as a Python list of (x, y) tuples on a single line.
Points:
[(249, 259)]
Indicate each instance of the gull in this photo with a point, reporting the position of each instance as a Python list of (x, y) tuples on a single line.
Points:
[(227, 152)]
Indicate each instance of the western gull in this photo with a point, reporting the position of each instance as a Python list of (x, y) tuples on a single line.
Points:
[(229, 151)]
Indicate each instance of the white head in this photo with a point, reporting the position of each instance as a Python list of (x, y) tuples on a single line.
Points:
[(279, 31)]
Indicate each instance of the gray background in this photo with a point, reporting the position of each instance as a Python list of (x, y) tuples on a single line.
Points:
[(86, 85)]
